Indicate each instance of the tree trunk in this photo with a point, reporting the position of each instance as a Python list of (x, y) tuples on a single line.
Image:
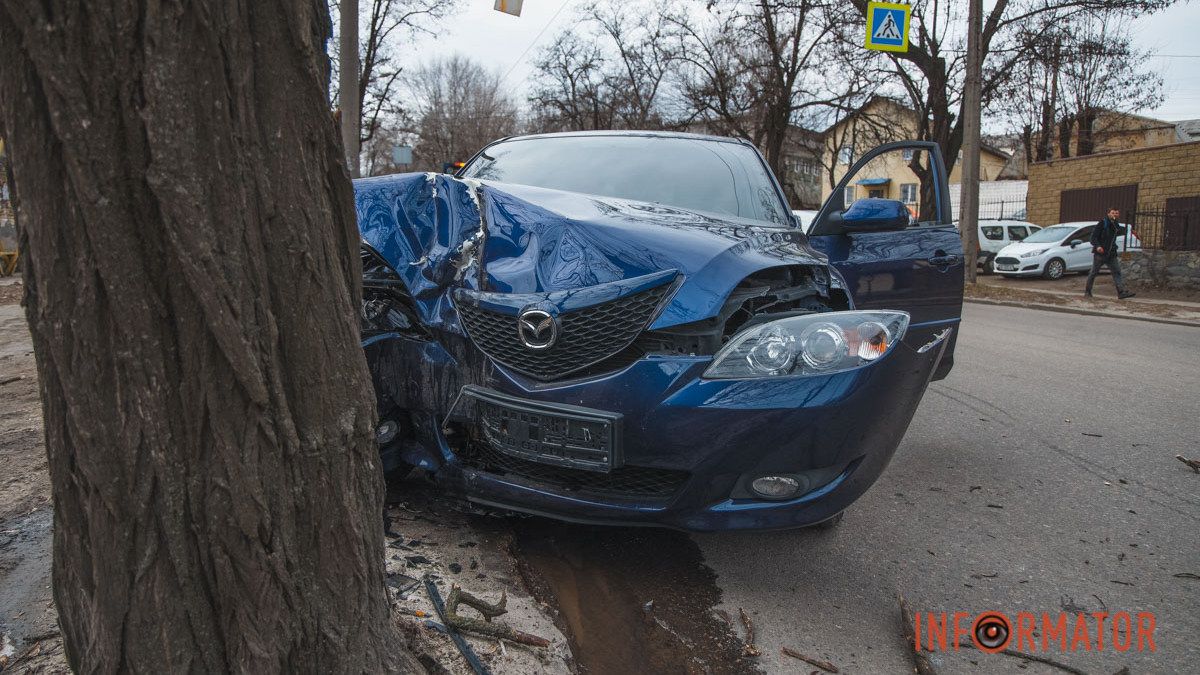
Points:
[(776, 133), (1064, 136), (1085, 141), (193, 279), (349, 73)]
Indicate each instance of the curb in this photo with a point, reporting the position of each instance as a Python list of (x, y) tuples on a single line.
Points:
[(1084, 312)]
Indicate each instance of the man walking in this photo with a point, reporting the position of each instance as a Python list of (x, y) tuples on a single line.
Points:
[(1104, 252)]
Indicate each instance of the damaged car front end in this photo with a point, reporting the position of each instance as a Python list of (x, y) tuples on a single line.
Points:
[(629, 328)]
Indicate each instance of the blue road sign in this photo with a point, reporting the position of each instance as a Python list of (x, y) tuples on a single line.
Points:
[(887, 26)]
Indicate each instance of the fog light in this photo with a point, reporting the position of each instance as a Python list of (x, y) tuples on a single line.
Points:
[(775, 487), (386, 431)]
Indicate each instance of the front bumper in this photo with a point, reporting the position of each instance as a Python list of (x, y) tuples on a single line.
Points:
[(1026, 267), (688, 443)]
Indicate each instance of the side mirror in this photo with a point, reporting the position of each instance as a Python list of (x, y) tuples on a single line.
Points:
[(875, 214), (1076, 242)]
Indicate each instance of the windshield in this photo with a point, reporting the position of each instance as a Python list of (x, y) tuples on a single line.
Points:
[(713, 176), (1048, 235)]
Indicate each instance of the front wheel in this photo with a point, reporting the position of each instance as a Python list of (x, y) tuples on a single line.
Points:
[(1055, 269), (989, 265)]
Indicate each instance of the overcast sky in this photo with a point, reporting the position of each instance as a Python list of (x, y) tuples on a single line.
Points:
[(508, 44)]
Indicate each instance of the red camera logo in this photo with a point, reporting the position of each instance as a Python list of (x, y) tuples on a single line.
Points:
[(991, 632)]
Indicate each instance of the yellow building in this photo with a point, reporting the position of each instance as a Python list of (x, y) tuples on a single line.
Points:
[(888, 176)]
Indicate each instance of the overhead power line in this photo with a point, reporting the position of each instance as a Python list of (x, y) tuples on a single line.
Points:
[(535, 40)]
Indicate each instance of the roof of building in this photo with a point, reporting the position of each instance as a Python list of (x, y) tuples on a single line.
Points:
[(879, 98), (1187, 130)]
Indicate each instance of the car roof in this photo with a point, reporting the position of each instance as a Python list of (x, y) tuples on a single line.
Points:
[(632, 133)]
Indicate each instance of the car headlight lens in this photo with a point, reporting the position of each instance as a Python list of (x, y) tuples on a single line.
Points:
[(813, 344), (1032, 254)]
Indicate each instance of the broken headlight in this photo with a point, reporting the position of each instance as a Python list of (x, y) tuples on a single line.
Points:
[(813, 344)]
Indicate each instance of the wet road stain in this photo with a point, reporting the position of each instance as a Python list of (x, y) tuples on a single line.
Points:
[(629, 599)]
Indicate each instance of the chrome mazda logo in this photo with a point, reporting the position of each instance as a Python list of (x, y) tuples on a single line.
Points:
[(537, 329)]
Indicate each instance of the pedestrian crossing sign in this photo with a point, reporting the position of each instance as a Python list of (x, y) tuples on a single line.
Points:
[(887, 26)]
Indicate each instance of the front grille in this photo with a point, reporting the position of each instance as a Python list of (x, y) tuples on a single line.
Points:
[(626, 481), (1007, 261), (587, 336)]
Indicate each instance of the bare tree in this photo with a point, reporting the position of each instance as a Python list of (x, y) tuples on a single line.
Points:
[(1076, 71), (609, 70), (856, 128), (1104, 72), (1031, 94), (754, 66), (931, 71), (459, 107), (184, 208), (570, 92), (383, 27)]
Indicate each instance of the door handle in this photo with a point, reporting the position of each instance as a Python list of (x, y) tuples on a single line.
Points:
[(943, 260)]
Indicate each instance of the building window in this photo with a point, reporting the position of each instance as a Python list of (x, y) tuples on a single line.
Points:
[(848, 196), (845, 154), (908, 193), (907, 153)]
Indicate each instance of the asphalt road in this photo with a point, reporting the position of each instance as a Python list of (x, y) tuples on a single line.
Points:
[(998, 500)]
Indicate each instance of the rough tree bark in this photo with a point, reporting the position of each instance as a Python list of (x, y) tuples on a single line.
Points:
[(192, 277)]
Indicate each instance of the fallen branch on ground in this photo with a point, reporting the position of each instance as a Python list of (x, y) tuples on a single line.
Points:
[(489, 611), (1029, 657), (920, 661), (1195, 464), (823, 665), (465, 649), (749, 648)]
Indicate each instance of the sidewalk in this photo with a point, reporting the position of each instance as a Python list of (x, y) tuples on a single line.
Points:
[(1066, 295)]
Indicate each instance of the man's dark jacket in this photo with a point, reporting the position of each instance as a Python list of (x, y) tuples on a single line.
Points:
[(1105, 234)]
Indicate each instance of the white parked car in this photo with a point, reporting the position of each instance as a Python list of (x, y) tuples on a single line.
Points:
[(995, 234), (1056, 250)]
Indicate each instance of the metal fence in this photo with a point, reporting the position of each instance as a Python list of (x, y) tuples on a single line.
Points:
[(998, 199), (1010, 209), (1166, 229)]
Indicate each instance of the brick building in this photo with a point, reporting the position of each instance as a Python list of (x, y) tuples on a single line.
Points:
[(1140, 180)]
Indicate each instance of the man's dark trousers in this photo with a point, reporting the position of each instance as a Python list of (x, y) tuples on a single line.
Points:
[(1113, 260)]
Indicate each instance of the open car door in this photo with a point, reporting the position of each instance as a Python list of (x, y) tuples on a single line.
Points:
[(889, 257)]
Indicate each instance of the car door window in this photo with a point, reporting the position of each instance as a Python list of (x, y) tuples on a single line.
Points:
[(993, 232), (1084, 235), (1017, 232)]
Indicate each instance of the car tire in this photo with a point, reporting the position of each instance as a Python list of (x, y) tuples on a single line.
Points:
[(1055, 269), (828, 523)]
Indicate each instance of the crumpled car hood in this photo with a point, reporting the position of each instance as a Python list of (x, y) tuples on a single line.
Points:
[(428, 227)]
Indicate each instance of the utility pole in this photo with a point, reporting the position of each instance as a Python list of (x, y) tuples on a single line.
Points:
[(348, 74), (968, 217)]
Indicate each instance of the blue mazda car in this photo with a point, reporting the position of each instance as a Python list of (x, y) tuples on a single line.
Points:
[(632, 328)]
